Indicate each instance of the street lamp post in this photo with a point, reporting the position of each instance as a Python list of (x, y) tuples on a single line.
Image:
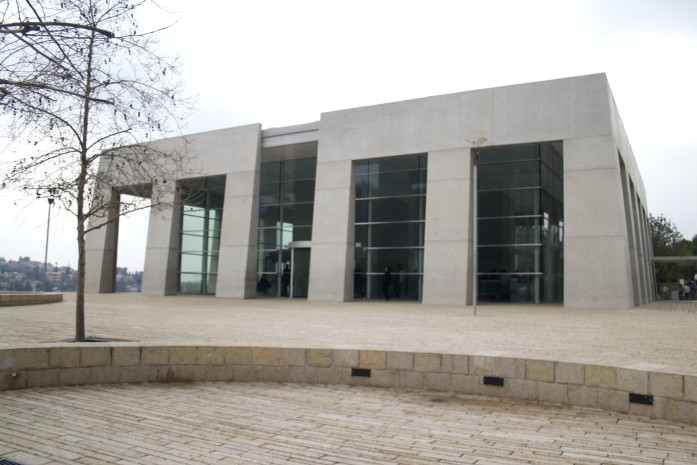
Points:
[(475, 255), (475, 228), (48, 226)]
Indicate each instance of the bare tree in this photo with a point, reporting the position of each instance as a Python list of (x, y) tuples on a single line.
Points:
[(82, 87)]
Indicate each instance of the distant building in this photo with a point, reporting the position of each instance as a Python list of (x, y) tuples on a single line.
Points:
[(319, 210)]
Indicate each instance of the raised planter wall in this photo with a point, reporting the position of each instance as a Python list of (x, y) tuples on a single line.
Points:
[(673, 397)]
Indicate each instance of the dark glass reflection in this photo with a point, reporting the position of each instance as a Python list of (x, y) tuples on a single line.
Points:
[(521, 223)]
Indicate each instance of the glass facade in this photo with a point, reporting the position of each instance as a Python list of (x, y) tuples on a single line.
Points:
[(521, 223), (286, 201), (390, 211), (201, 218)]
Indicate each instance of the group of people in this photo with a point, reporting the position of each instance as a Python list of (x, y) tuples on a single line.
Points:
[(687, 289)]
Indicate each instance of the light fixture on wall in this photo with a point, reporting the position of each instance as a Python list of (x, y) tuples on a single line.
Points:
[(475, 214)]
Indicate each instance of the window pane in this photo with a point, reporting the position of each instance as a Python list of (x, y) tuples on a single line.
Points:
[(270, 172), (509, 231), (509, 175), (391, 209), (298, 214), (192, 263), (390, 235), (267, 262), (399, 183), (268, 217), (192, 242), (508, 153), (298, 191), (516, 202), (299, 169), (516, 259), (269, 194), (190, 283), (406, 260)]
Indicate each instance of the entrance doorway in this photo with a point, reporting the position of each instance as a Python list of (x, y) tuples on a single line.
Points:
[(299, 268)]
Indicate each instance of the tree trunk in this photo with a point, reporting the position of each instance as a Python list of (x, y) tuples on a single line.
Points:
[(82, 181)]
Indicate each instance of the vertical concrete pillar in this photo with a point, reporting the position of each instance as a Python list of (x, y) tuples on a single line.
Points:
[(101, 248), (162, 249), (333, 235), (597, 268), (448, 240), (238, 242)]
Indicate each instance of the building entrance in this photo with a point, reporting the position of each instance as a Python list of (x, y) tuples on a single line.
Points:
[(299, 269)]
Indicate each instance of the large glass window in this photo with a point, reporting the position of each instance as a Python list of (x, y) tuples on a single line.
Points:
[(286, 204), (521, 223), (201, 217), (389, 226)]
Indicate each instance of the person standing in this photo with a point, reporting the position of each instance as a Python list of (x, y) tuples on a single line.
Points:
[(386, 281)]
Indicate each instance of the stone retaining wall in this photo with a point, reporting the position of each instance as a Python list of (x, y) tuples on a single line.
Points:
[(660, 395), (9, 299)]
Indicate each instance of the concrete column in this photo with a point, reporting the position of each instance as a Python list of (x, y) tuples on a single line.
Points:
[(238, 242), (101, 248), (448, 240), (162, 249), (333, 235), (597, 268)]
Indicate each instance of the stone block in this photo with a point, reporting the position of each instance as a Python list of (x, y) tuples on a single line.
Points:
[(105, 375), (345, 358), (272, 374), (427, 362), (690, 387), (583, 396), (408, 379), (569, 373), (237, 355), (636, 381), (333, 375), (600, 376), (184, 355), (553, 393), (466, 384), (42, 378), (666, 385), (441, 382), (125, 356), (25, 359), (374, 359), (11, 379), (178, 373), (74, 376), (523, 389), (154, 356), (266, 356), (7, 359), (244, 373), (456, 364), (64, 357), (95, 356), (319, 357), (400, 360), (680, 411), (384, 378), (615, 401), (302, 375), (219, 373), (133, 374), (539, 370), (497, 366), (210, 355)]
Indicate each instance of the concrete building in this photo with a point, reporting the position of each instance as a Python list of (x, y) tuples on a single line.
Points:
[(319, 210)]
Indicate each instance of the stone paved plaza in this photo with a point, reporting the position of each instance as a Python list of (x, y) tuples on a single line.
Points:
[(226, 422)]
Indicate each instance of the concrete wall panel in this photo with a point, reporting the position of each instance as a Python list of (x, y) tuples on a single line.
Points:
[(448, 242)]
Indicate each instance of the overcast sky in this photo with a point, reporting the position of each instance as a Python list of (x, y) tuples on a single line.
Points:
[(285, 62)]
